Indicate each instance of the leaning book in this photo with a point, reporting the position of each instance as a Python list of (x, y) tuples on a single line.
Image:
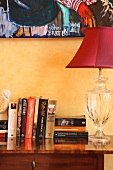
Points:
[(50, 119), (42, 116)]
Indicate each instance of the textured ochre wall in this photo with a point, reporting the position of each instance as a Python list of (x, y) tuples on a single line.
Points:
[(34, 67)]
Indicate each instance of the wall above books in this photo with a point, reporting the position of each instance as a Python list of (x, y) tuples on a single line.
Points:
[(33, 67)]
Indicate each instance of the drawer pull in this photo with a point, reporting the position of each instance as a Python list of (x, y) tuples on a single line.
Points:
[(33, 165)]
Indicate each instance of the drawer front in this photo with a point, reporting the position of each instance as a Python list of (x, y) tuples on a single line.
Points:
[(66, 162), (16, 162), (48, 162)]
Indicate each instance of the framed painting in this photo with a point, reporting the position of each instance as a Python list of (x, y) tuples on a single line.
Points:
[(52, 18)]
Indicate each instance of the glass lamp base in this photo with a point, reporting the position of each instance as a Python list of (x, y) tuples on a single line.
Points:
[(96, 139)]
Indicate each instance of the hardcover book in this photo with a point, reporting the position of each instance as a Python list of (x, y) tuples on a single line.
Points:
[(42, 116), (11, 143), (3, 134), (28, 144), (69, 146), (12, 119), (30, 117), (71, 121), (19, 116), (50, 119), (68, 141), (64, 134), (3, 124), (23, 117), (3, 141), (36, 117), (70, 128)]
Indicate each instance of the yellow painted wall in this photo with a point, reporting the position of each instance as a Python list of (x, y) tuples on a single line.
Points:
[(34, 67)]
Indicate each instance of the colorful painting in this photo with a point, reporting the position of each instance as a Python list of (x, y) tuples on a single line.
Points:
[(52, 18)]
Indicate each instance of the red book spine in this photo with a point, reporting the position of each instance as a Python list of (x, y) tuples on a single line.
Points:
[(30, 117)]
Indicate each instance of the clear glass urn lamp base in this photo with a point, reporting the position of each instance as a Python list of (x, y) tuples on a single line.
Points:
[(99, 106)]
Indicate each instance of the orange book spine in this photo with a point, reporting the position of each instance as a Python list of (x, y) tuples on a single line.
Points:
[(69, 146), (70, 128), (30, 117), (28, 144)]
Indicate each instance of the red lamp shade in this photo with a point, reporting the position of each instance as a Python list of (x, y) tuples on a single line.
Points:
[(96, 50)]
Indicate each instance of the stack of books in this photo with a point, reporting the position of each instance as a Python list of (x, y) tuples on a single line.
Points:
[(70, 127), (3, 124)]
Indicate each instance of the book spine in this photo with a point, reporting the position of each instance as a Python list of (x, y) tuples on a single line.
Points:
[(12, 119), (3, 122), (19, 114), (50, 119), (23, 117), (3, 127), (67, 146), (35, 117), (70, 122), (72, 128), (3, 135), (30, 117), (11, 143), (28, 144), (42, 116), (71, 141), (70, 134)]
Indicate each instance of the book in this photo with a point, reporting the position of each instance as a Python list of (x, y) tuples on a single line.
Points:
[(11, 143), (68, 141), (12, 119), (30, 117), (71, 121), (49, 144), (3, 127), (3, 124), (23, 118), (50, 119), (42, 116), (70, 134), (36, 117), (28, 144), (3, 134), (70, 128), (19, 117), (69, 146), (3, 141)]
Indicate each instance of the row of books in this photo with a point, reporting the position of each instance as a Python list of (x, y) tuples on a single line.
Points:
[(29, 117), (35, 118)]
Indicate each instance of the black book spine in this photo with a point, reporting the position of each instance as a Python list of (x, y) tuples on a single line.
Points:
[(23, 117), (70, 134), (70, 122), (4, 127), (19, 117), (3, 122), (42, 116)]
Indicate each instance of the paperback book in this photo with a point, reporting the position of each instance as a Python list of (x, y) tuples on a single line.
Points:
[(50, 119), (12, 119), (59, 134), (71, 121), (42, 116)]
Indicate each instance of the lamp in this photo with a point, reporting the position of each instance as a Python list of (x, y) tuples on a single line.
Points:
[(96, 51)]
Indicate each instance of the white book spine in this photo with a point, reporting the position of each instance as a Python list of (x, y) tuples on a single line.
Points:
[(12, 119)]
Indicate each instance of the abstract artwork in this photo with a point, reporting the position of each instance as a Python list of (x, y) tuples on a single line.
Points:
[(52, 18)]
